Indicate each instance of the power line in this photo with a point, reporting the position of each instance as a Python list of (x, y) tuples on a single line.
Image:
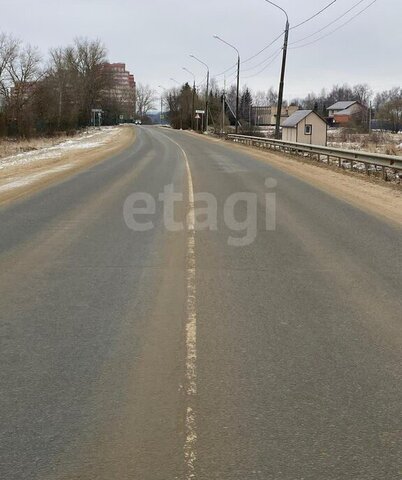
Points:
[(262, 62), (251, 58), (315, 15), (265, 48), (329, 24), (225, 71), (231, 77), (266, 66), (274, 41), (338, 28)]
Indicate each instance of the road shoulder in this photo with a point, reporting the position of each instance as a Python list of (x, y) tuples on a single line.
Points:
[(19, 182), (384, 201)]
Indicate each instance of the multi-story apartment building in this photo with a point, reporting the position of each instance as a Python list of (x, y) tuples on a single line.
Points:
[(123, 90)]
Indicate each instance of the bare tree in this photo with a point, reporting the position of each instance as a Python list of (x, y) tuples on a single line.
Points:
[(65, 84), (87, 64), (266, 99), (24, 65), (9, 47), (387, 95), (146, 97), (60, 73), (390, 109), (363, 93), (23, 73)]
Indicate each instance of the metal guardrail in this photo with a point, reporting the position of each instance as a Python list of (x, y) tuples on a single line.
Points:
[(371, 161)]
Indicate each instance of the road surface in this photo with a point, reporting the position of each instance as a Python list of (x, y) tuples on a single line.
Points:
[(167, 354)]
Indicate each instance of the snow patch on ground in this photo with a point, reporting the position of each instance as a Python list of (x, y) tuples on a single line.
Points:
[(29, 179), (91, 139)]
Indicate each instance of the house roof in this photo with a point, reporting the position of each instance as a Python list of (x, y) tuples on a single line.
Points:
[(342, 105), (297, 117), (347, 112)]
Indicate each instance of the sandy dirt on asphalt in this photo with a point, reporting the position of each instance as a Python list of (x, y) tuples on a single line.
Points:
[(18, 180), (383, 200)]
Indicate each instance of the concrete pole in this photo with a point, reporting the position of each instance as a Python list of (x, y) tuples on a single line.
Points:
[(223, 105), (207, 104), (237, 94), (282, 83)]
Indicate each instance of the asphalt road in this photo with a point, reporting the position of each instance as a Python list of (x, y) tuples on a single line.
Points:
[(165, 354)]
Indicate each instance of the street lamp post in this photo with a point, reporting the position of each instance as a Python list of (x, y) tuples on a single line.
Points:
[(285, 51), (238, 78), (223, 105), (283, 71), (207, 92), (163, 88), (179, 106), (193, 107)]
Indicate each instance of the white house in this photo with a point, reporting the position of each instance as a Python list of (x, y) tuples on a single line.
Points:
[(305, 126)]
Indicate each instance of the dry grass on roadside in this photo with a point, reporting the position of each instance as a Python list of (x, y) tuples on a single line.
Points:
[(11, 146), (376, 142)]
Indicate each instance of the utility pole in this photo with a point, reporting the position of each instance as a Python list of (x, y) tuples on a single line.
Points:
[(282, 83), (237, 93), (180, 107), (207, 104), (207, 92), (223, 106), (285, 51), (283, 69), (163, 90), (193, 106), (238, 79)]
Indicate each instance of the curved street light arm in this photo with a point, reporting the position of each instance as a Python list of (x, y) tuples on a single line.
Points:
[(200, 61), (188, 71), (227, 43), (280, 8), (238, 79)]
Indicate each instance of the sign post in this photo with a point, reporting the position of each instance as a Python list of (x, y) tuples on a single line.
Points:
[(96, 112), (198, 113), (197, 117)]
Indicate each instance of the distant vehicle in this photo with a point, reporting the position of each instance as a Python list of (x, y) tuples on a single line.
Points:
[(138, 122)]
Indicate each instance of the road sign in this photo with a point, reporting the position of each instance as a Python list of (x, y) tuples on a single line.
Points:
[(197, 117), (202, 112)]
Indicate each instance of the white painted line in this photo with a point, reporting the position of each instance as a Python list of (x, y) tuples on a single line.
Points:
[(190, 451)]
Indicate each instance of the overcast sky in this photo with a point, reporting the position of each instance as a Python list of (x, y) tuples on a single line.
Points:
[(155, 37)]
